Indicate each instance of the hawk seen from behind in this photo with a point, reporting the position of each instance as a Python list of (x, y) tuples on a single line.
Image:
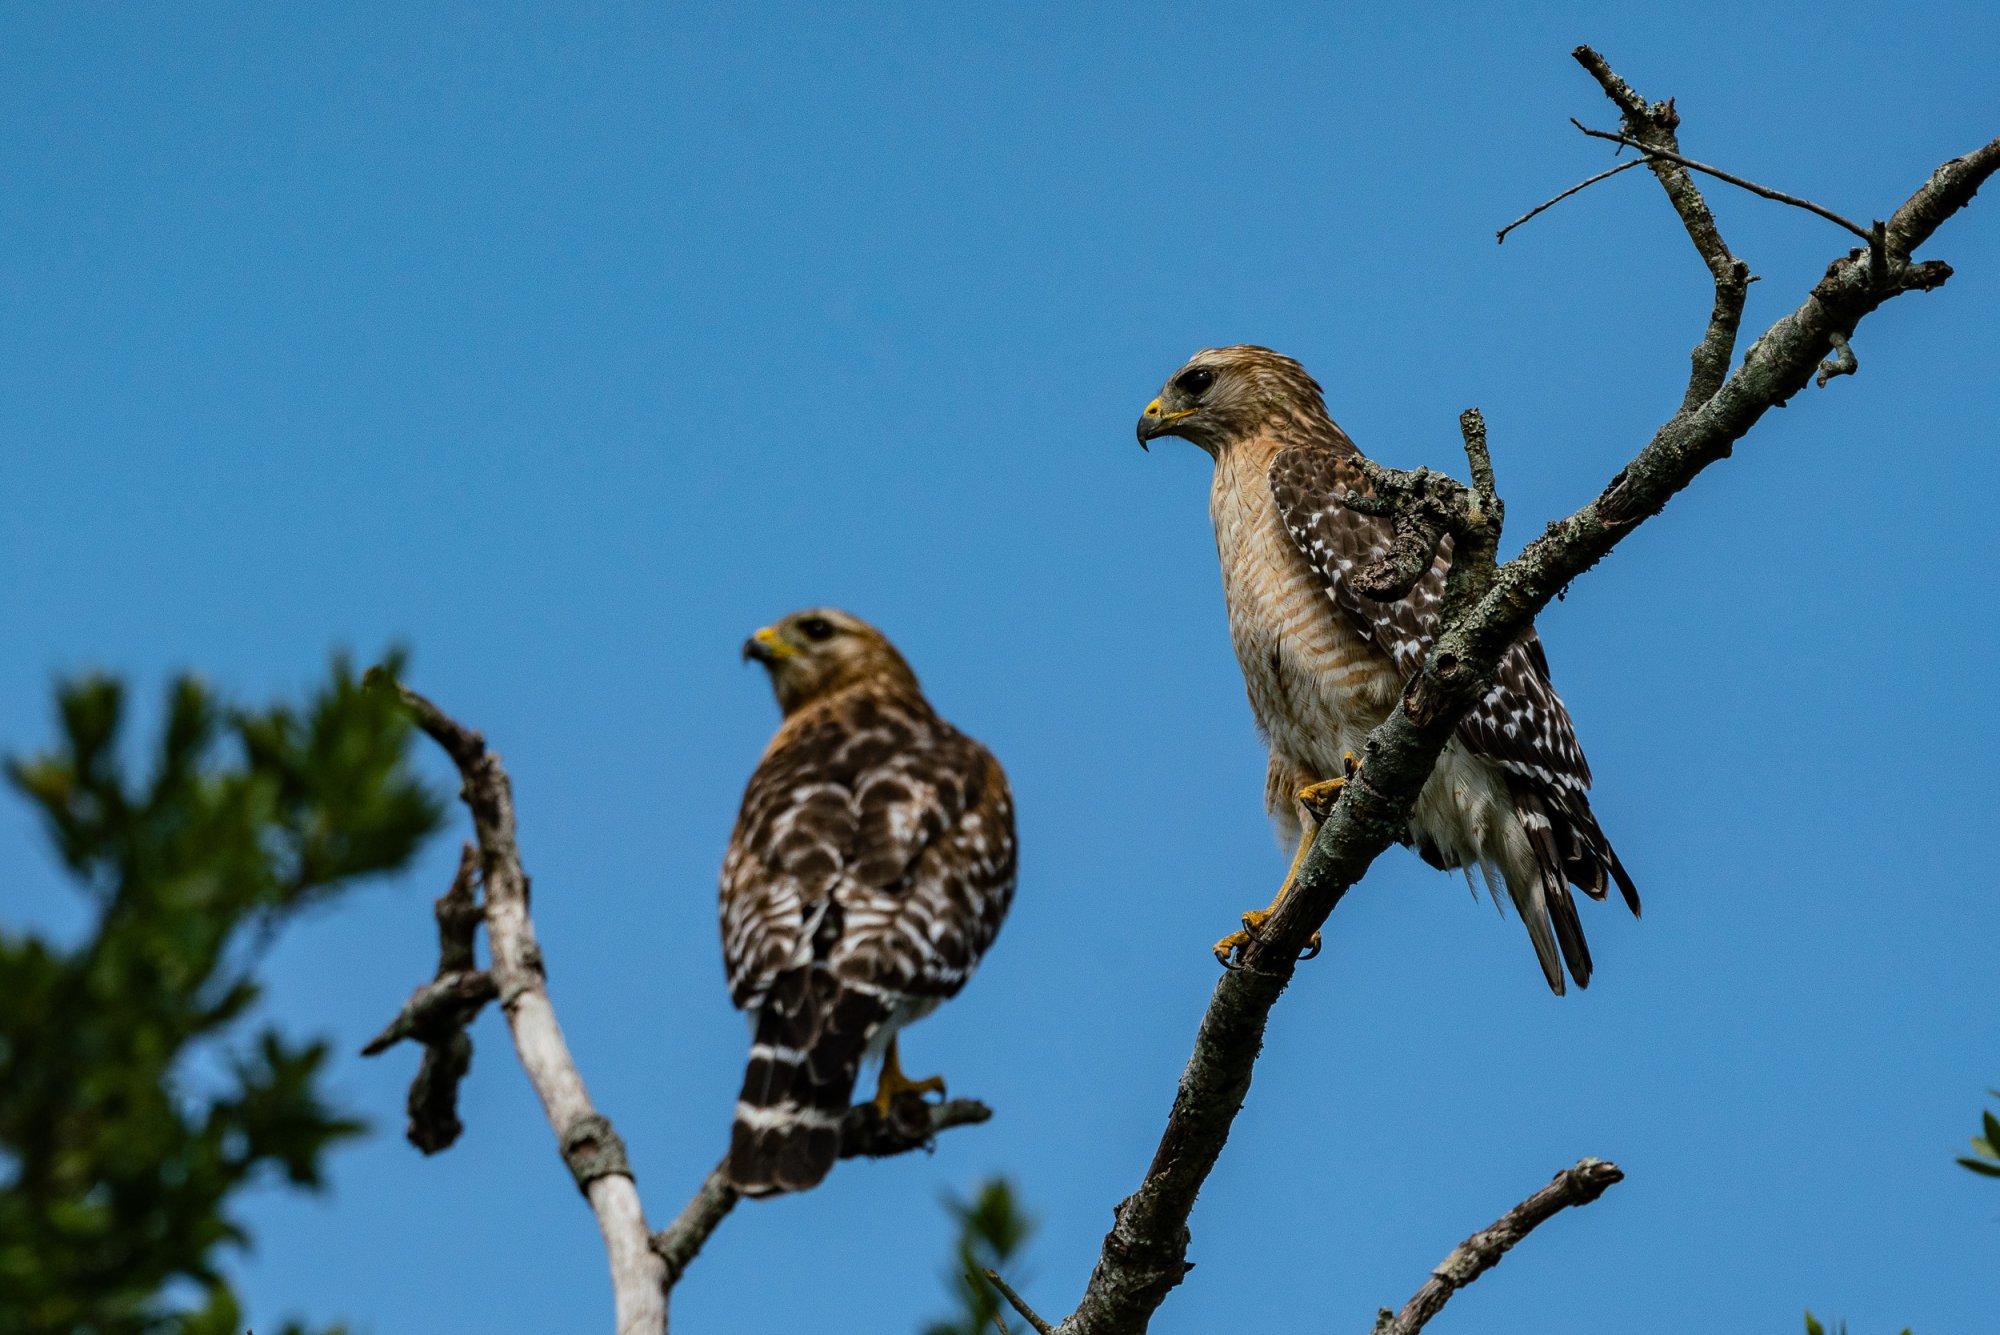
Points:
[(1324, 664), (871, 865)]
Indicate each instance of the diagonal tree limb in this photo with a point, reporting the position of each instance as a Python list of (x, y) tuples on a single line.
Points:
[(590, 1147), (912, 1124), (1580, 1185), (1145, 1254)]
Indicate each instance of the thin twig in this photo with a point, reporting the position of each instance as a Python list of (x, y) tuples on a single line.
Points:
[(1721, 175), (679, 1242), (1019, 1303), (1472, 429), (1482, 1251), (1844, 361), (1501, 235)]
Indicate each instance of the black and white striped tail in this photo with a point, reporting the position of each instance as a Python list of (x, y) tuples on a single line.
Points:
[(1570, 849), (812, 1031)]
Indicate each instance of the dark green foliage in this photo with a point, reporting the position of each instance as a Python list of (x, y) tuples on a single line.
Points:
[(1814, 1327), (992, 1230), (116, 1166), (1986, 1146)]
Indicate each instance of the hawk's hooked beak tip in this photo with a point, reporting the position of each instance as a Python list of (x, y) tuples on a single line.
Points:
[(1156, 421), (767, 647), (1149, 422)]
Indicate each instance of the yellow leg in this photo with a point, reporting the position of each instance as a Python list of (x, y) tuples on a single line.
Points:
[(894, 1084), (1316, 802)]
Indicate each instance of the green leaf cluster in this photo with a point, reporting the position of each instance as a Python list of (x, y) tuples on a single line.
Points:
[(1986, 1147), (1815, 1327), (132, 1104), (991, 1230)]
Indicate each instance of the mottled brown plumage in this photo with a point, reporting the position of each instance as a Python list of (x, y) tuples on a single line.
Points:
[(1324, 664), (871, 865)]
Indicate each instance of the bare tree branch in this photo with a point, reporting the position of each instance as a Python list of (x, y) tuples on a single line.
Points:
[(912, 1124), (1479, 1253), (1145, 1254), (437, 1014), (1843, 362), (590, 1147), (1654, 126)]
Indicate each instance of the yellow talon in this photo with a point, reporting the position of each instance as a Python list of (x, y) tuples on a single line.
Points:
[(893, 1084), (1228, 946), (1318, 798)]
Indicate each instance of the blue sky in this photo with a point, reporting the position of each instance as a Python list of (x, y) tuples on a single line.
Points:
[(567, 348)]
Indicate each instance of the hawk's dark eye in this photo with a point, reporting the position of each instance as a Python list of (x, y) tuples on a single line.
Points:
[(1195, 383), (816, 628)]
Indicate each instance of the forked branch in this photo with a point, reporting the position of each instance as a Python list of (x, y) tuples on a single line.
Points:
[(589, 1145), (912, 1124)]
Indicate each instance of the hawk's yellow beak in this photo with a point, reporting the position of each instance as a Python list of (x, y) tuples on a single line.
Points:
[(766, 647), (1157, 421)]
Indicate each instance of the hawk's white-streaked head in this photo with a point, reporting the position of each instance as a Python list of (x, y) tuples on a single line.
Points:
[(1224, 394), (813, 653)]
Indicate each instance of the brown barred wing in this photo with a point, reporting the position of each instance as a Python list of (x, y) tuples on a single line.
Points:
[(1520, 725)]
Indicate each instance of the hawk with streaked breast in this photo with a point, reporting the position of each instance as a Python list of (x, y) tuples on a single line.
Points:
[(871, 865), (1324, 663)]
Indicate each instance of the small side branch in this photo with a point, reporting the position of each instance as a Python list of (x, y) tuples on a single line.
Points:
[(1479, 1253), (1431, 512), (1018, 1303), (1844, 361), (438, 1013), (912, 1124), (588, 1144)]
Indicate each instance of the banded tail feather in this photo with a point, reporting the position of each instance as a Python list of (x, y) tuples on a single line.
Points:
[(1570, 850), (811, 1034)]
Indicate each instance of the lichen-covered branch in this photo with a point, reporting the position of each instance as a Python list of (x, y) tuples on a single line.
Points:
[(1580, 1185), (1424, 510), (1145, 1253), (589, 1146)]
